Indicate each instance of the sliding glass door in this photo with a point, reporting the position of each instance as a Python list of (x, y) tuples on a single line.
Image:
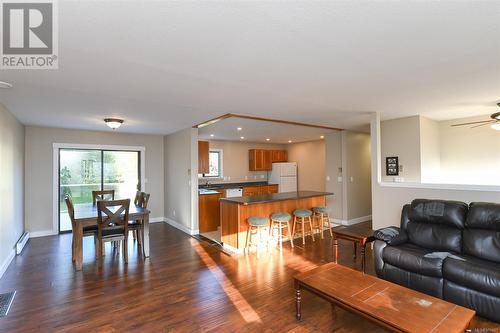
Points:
[(82, 171)]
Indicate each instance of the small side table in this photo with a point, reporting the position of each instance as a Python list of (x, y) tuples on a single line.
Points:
[(357, 235)]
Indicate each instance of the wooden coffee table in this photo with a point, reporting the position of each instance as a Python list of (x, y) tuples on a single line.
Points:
[(361, 235), (389, 305)]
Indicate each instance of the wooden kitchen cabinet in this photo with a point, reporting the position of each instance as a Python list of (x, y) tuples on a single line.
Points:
[(209, 212), (260, 160), (250, 191), (203, 159), (272, 189), (279, 156)]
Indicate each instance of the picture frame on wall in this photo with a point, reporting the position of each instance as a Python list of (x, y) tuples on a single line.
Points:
[(392, 166)]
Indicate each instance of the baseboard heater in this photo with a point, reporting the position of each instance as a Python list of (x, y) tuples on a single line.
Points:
[(22, 242)]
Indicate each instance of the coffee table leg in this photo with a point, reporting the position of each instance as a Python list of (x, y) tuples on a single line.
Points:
[(335, 247), (363, 250), (297, 302)]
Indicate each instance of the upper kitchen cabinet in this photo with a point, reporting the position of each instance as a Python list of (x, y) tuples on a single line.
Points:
[(203, 160), (260, 160), (279, 156)]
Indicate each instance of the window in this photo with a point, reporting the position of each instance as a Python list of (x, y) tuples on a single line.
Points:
[(214, 164)]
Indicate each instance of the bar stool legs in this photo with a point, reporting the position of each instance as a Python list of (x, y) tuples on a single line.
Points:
[(302, 221), (280, 225), (321, 219)]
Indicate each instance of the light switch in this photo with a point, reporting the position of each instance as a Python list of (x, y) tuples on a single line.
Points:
[(339, 179), (351, 179), (327, 178)]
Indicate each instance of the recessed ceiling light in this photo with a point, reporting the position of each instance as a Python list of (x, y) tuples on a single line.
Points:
[(113, 123), (268, 139), (212, 135), (242, 137), (289, 141), (239, 128), (5, 85), (322, 137)]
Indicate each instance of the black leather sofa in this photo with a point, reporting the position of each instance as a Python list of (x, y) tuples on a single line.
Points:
[(446, 249)]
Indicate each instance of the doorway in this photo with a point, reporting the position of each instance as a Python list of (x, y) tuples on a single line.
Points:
[(82, 171)]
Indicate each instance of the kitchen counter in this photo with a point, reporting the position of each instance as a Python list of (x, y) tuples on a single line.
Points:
[(274, 197), (207, 192), (232, 185), (235, 212)]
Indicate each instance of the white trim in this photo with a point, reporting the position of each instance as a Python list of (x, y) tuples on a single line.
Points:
[(157, 219), (7, 262), (352, 221), (43, 233), (181, 227), (55, 175), (456, 187)]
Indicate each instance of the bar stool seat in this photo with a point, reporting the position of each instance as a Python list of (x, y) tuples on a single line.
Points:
[(302, 212), (321, 210), (255, 223), (281, 217), (302, 216), (281, 220)]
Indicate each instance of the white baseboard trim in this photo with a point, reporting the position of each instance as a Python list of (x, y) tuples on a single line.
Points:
[(42, 233), (181, 227), (352, 221), (7, 262), (157, 219)]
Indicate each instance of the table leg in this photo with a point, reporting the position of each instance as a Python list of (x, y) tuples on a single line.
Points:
[(363, 250), (355, 249), (297, 302), (145, 241), (335, 248), (78, 246)]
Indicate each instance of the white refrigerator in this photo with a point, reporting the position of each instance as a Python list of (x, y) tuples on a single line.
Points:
[(285, 175)]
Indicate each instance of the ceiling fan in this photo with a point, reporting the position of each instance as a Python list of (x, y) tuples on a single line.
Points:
[(494, 121)]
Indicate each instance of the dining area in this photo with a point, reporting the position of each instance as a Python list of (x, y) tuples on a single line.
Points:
[(109, 221)]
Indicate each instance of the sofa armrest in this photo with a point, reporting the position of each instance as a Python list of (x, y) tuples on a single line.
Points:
[(391, 235)]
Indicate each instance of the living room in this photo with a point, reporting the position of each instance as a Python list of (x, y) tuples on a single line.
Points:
[(395, 221)]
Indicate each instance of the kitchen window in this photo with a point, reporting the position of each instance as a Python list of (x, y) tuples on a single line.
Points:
[(214, 164)]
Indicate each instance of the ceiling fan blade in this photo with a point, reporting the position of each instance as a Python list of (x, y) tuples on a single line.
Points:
[(490, 122), (474, 122)]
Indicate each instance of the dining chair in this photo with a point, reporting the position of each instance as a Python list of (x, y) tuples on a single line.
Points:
[(137, 197), (100, 195), (137, 226), (87, 231), (112, 224)]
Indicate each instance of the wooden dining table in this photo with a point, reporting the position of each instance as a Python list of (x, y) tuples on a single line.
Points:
[(86, 215)]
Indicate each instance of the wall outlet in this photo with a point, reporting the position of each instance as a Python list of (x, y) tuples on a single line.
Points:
[(351, 179), (254, 177), (246, 177), (327, 178), (173, 212), (262, 177)]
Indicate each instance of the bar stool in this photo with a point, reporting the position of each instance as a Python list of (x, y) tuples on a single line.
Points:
[(281, 220), (302, 216), (322, 215), (255, 223)]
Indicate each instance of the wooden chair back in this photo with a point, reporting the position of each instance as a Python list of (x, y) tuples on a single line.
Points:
[(101, 194), (108, 218), (137, 198), (144, 200), (71, 210)]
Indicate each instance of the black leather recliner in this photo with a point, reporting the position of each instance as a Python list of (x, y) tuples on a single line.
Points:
[(445, 249)]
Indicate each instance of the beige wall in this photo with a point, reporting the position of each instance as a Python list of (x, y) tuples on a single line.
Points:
[(388, 199), (333, 166), (430, 150), (469, 155), (39, 168), (11, 185), (235, 161), (181, 185), (311, 159), (358, 175), (401, 137)]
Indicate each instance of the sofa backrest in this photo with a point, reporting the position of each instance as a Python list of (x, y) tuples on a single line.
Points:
[(436, 224), (482, 231)]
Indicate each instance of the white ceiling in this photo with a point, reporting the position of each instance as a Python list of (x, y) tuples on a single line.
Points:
[(164, 66), (259, 131)]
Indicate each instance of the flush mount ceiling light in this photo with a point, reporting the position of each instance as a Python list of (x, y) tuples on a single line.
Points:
[(5, 85), (289, 141), (242, 137), (322, 137), (268, 139), (212, 135), (239, 128), (113, 123)]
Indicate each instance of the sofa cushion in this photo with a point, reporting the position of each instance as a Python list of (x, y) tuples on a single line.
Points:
[(481, 236), (474, 274), (441, 212), (411, 258), (435, 237)]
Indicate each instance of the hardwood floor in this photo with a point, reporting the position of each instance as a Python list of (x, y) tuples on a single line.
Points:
[(185, 286)]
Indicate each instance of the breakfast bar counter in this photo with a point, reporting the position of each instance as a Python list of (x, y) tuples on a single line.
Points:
[(234, 212)]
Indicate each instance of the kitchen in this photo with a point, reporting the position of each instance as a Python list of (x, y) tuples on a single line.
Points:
[(246, 158)]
